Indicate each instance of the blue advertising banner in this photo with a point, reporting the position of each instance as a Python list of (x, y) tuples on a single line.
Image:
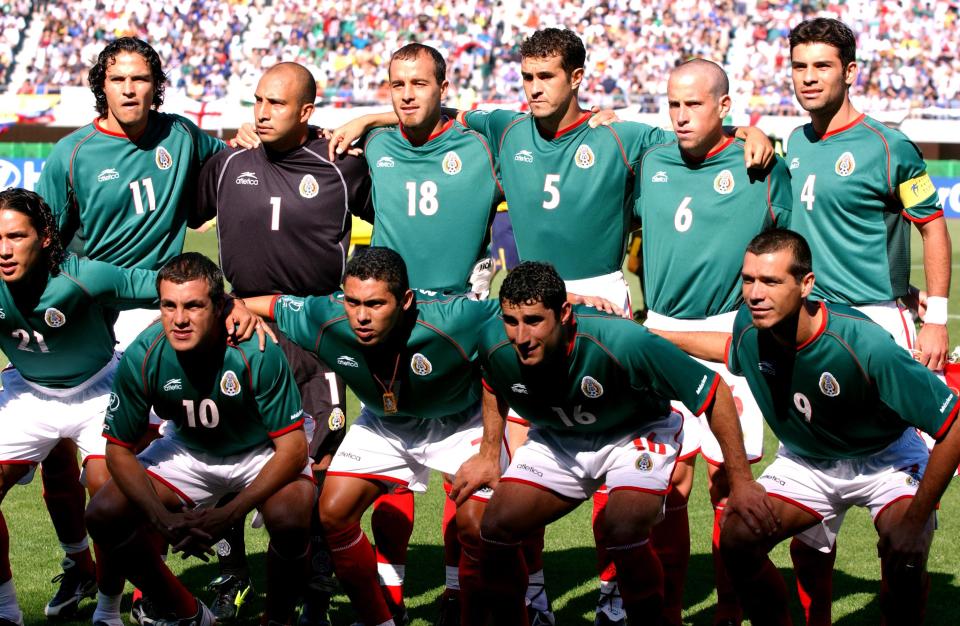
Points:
[(948, 188), (20, 173)]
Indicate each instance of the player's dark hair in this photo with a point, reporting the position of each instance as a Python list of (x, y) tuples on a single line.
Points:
[(829, 31), (777, 239), (107, 57), (411, 51), (380, 263), (194, 266), (32, 205), (532, 282), (553, 42)]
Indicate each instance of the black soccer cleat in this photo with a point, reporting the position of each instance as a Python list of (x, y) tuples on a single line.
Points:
[(75, 585), (231, 593)]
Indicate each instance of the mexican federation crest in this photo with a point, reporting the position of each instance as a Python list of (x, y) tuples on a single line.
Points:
[(829, 385), (163, 159), (420, 365), (590, 387), (845, 165), (337, 419), (54, 318), (452, 163), (309, 188), (584, 158), (230, 384), (723, 183)]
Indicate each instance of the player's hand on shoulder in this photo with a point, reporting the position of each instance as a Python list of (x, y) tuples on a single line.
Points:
[(602, 117), (342, 138), (749, 500), (241, 323), (758, 150), (476, 472), (246, 137), (596, 302)]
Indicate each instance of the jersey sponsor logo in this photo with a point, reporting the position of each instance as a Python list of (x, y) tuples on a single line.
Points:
[(385, 161), (163, 158), (296, 415), (519, 388), (348, 455), (775, 479), (420, 365), (114, 402), (337, 419), (794, 163), (347, 361), (660, 177), (767, 367), (524, 156), (309, 187), (229, 383), (584, 157), (108, 174), (247, 178), (452, 164), (54, 318), (529, 468), (829, 385), (845, 165), (703, 381), (174, 384), (723, 183), (946, 403), (645, 462), (590, 387)]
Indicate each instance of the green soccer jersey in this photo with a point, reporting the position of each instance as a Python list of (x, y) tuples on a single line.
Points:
[(127, 202), (433, 203), (235, 400), (616, 371), (570, 197), (855, 192), (436, 371), (59, 337), (697, 221), (847, 392)]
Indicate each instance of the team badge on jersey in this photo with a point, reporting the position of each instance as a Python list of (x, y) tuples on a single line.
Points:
[(590, 387), (794, 163), (829, 385), (337, 419), (911, 481), (645, 462), (845, 164), (452, 163), (114, 402), (230, 384), (309, 187), (294, 304), (584, 158), (3, 314), (54, 318), (723, 183), (163, 158), (420, 365)]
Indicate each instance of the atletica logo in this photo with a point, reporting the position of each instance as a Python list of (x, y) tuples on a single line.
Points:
[(247, 178), (347, 361), (518, 388), (767, 367), (660, 177), (294, 304), (775, 479), (524, 156), (794, 163), (174, 384), (296, 415), (532, 470), (703, 381), (107, 174), (347, 455), (385, 161)]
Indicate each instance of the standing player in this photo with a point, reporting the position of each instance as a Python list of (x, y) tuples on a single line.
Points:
[(839, 394), (275, 204), (597, 391), (238, 428), (699, 207), (857, 186)]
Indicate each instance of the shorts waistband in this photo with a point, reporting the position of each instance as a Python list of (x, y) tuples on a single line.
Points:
[(715, 323), (71, 391)]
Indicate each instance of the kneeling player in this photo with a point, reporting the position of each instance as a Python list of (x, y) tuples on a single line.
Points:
[(239, 428)]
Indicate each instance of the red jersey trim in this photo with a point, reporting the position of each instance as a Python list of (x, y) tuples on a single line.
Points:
[(579, 122), (487, 386), (19, 462), (166, 483), (726, 350), (831, 133), (947, 423), (378, 477), (623, 153), (921, 220), (713, 391), (656, 492), (284, 431), (273, 307), (819, 331), (886, 506), (446, 126), (796, 504), (719, 149), (886, 148), (96, 124), (128, 446), (529, 483)]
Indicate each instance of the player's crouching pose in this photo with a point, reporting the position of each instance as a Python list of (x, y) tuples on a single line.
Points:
[(239, 428), (596, 390), (841, 396)]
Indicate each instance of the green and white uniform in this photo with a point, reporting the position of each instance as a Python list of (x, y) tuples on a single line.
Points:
[(604, 412), (61, 357), (697, 218), (224, 412), (843, 405), (432, 373), (433, 203)]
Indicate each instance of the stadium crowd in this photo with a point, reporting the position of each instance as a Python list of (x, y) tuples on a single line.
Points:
[(909, 51)]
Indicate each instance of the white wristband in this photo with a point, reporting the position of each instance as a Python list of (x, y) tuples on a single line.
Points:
[(936, 310)]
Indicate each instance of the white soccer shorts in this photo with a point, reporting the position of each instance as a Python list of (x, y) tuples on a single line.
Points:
[(612, 287), (131, 323)]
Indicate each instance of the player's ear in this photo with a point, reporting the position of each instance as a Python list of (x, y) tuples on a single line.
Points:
[(850, 73), (566, 312), (806, 284), (306, 111), (576, 77), (725, 104), (407, 300), (443, 90)]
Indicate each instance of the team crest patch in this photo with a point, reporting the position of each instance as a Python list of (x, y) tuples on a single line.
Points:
[(163, 158), (229, 384), (845, 164), (829, 385), (309, 188), (911, 481), (794, 163), (337, 419), (452, 164), (590, 387), (420, 365), (54, 318), (584, 158), (114, 402), (644, 462), (223, 547), (723, 183)]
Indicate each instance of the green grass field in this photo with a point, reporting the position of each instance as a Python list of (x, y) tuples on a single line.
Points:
[(569, 556)]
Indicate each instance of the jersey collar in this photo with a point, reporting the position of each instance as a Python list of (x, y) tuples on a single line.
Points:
[(102, 129), (447, 126), (837, 131), (819, 331), (697, 160), (579, 122)]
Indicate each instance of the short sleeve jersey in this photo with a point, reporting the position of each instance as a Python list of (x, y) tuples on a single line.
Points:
[(437, 372), (433, 202), (855, 192), (570, 197), (847, 392), (63, 338), (283, 218), (698, 218), (123, 201), (616, 371), (234, 402)]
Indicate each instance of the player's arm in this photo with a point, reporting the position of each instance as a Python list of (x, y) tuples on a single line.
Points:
[(343, 137), (709, 346), (932, 340), (757, 148), (205, 206), (483, 468), (261, 305), (54, 185)]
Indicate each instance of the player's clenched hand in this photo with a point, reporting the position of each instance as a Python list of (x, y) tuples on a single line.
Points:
[(597, 302), (476, 472), (932, 346), (757, 149), (603, 117), (246, 137), (241, 324), (749, 500)]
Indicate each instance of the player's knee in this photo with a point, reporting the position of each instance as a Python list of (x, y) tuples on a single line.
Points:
[(287, 512), (496, 528), (103, 513), (736, 538), (468, 525)]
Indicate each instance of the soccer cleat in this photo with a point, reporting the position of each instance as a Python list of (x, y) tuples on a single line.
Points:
[(449, 610), (610, 609), (75, 585), (602, 619), (203, 618), (143, 612), (231, 593), (541, 618)]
